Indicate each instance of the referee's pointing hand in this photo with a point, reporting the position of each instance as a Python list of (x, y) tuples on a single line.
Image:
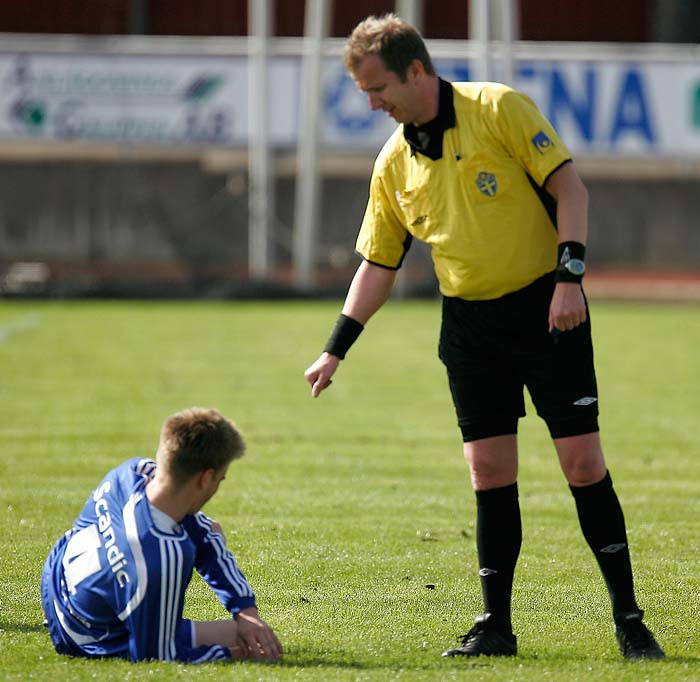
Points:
[(320, 373)]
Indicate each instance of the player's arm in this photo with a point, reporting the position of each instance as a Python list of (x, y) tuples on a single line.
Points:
[(568, 307), (368, 291), (219, 569), (249, 636), (217, 565)]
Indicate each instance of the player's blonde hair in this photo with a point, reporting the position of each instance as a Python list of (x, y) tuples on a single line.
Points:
[(195, 440), (394, 40)]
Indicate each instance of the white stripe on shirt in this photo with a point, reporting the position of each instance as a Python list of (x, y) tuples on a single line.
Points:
[(171, 560), (79, 639), (132, 535), (225, 559), (215, 653)]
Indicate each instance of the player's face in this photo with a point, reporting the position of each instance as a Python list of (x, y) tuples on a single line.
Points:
[(385, 91)]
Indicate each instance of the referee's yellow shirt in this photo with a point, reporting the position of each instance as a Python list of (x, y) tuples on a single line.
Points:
[(489, 232)]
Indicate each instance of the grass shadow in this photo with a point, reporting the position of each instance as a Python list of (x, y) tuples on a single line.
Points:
[(309, 658), (21, 627)]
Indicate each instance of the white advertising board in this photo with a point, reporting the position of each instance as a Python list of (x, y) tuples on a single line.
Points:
[(135, 99), (619, 106)]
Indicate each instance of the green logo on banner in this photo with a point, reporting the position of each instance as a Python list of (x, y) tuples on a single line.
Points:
[(203, 87), (30, 115)]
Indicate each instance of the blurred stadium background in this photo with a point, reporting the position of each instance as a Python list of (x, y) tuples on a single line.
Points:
[(169, 148)]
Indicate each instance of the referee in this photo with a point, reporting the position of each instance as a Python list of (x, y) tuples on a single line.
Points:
[(475, 171)]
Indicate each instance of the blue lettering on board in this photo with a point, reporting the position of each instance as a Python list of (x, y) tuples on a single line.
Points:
[(628, 113), (581, 105), (632, 113)]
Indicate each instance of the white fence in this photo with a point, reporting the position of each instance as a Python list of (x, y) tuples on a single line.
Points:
[(606, 100), (622, 109)]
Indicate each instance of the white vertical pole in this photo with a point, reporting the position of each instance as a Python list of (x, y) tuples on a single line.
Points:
[(479, 33), (508, 32), (411, 11), (306, 209), (261, 200)]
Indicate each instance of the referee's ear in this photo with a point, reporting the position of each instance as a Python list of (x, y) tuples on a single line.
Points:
[(416, 69)]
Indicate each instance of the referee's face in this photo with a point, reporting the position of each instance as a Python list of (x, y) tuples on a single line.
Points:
[(385, 91)]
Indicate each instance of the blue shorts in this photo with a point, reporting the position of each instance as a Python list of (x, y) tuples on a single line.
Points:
[(115, 646), (493, 349), (61, 642)]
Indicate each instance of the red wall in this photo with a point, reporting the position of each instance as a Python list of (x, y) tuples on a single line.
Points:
[(198, 17), (68, 16), (589, 20), (611, 20)]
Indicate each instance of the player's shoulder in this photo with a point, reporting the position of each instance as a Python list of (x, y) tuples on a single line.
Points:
[(143, 466), (197, 524), (136, 468), (123, 479)]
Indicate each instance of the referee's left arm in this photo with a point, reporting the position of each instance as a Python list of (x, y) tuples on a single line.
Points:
[(571, 196), (568, 307)]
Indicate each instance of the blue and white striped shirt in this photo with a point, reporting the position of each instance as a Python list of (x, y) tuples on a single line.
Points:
[(116, 583)]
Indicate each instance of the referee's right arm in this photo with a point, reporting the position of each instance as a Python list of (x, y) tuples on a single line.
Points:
[(368, 291)]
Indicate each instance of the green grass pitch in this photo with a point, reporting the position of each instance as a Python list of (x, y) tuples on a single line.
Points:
[(346, 508)]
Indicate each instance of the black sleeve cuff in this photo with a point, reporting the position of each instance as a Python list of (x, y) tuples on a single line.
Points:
[(344, 334)]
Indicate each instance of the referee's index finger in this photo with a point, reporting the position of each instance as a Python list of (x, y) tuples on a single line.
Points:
[(319, 385), (311, 375)]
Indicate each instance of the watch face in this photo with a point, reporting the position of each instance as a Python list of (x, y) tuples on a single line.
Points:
[(575, 266)]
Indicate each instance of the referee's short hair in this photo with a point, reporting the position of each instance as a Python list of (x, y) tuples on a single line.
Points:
[(394, 40), (197, 439)]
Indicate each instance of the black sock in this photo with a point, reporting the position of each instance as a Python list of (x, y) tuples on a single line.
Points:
[(498, 540), (603, 526)]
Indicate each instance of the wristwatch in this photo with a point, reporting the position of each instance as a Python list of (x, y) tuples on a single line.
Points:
[(575, 266)]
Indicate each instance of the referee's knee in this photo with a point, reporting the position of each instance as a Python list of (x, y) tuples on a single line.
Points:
[(493, 462), (581, 459)]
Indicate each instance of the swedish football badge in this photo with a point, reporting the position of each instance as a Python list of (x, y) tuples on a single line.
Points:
[(486, 182), (542, 142)]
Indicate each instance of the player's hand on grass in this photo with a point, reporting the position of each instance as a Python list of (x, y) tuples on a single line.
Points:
[(320, 373), (255, 638), (568, 307)]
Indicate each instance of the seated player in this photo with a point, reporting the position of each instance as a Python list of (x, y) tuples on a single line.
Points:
[(114, 585)]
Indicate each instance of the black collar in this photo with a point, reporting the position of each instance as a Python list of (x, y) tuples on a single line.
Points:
[(427, 139)]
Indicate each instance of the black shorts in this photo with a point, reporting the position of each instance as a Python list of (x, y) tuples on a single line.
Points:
[(492, 349)]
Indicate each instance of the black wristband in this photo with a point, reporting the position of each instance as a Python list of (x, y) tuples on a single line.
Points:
[(570, 262), (344, 334)]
